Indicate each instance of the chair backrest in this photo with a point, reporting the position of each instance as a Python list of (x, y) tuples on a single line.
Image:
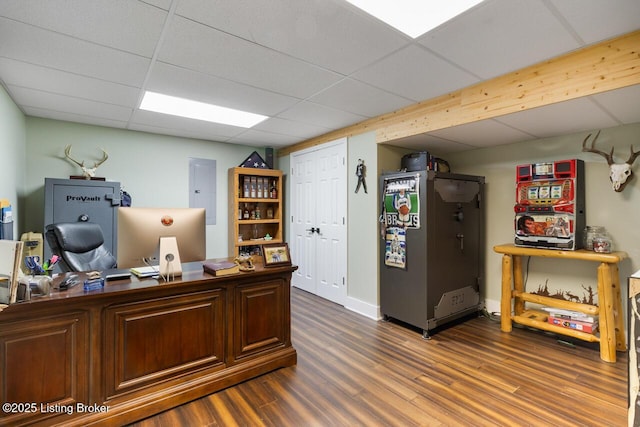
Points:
[(80, 245)]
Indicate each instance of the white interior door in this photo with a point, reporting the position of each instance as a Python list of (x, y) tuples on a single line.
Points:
[(303, 252), (319, 205)]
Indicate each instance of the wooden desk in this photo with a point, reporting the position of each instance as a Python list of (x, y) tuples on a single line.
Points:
[(608, 309), (138, 347)]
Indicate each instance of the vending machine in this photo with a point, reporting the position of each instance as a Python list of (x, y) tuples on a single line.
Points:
[(550, 205)]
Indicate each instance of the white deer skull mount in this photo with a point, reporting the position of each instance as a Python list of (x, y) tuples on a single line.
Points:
[(87, 172), (619, 173)]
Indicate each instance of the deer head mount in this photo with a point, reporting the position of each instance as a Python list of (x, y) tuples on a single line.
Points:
[(619, 173), (87, 172)]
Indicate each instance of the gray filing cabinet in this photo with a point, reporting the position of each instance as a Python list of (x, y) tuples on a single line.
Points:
[(72, 200)]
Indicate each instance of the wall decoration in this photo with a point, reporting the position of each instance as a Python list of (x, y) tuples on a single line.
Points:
[(254, 161), (401, 203), (619, 173), (87, 172), (395, 253), (587, 298), (361, 172)]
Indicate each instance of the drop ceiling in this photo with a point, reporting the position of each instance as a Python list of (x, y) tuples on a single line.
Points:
[(312, 66)]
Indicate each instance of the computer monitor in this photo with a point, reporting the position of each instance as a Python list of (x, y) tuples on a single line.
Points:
[(140, 230)]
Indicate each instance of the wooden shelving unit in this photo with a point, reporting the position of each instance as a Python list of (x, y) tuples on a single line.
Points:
[(608, 309), (256, 193)]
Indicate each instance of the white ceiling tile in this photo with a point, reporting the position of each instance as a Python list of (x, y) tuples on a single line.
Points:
[(159, 120), (596, 20), (17, 73), (197, 47), (258, 138), (162, 4), (431, 144), (482, 133), (290, 127), (320, 115), (416, 74), (359, 98), (175, 131), (327, 33), (137, 25), (558, 119), (623, 104), (49, 49), (176, 81), (74, 117), (67, 104), (501, 36)]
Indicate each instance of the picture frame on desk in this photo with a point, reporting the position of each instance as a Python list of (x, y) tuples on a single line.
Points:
[(276, 254)]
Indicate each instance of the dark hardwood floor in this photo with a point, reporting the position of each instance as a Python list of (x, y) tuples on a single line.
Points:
[(353, 371)]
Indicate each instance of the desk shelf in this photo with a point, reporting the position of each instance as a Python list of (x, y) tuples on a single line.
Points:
[(608, 309)]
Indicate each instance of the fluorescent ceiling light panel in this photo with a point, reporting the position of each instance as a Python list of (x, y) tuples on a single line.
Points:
[(414, 17), (182, 107)]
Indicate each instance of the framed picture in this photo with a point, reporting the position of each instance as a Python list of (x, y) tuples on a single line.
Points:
[(276, 254)]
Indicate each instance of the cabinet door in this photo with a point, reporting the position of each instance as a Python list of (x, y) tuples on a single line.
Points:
[(260, 318), (161, 339), (44, 362)]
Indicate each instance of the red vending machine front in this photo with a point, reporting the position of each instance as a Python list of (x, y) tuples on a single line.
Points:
[(550, 205)]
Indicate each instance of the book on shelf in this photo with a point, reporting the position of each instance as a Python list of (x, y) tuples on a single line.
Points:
[(570, 314), (220, 268), (588, 327)]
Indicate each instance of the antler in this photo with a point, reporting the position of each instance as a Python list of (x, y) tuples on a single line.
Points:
[(105, 156), (609, 156), (633, 156), (67, 150)]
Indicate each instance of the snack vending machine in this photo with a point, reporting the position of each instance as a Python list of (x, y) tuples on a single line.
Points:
[(550, 205)]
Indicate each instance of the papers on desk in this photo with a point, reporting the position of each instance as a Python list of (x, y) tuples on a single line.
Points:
[(148, 271)]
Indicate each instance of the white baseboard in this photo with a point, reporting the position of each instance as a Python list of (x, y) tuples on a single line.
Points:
[(364, 308), (492, 306)]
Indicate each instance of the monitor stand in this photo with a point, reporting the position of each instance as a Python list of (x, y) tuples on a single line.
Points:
[(169, 258)]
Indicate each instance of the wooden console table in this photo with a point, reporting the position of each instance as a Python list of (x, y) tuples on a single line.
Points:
[(608, 309), (137, 347)]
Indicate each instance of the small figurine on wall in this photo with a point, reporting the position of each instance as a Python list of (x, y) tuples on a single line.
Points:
[(361, 171), (87, 172)]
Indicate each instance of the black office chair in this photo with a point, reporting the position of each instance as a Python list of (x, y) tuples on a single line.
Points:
[(80, 246)]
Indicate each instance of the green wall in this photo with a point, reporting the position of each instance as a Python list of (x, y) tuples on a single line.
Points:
[(12, 147), (154, 169)]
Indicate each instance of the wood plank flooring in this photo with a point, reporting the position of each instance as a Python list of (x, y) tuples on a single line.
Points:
[(353, 371)]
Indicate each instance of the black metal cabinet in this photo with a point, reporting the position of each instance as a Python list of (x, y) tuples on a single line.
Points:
[(73, 200), (442, 258)]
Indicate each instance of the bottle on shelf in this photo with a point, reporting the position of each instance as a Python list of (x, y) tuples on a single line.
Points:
[(245, 213), (246, 183), (273, 192)]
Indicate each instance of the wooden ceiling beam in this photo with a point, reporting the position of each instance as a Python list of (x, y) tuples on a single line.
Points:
[(605, 66)]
